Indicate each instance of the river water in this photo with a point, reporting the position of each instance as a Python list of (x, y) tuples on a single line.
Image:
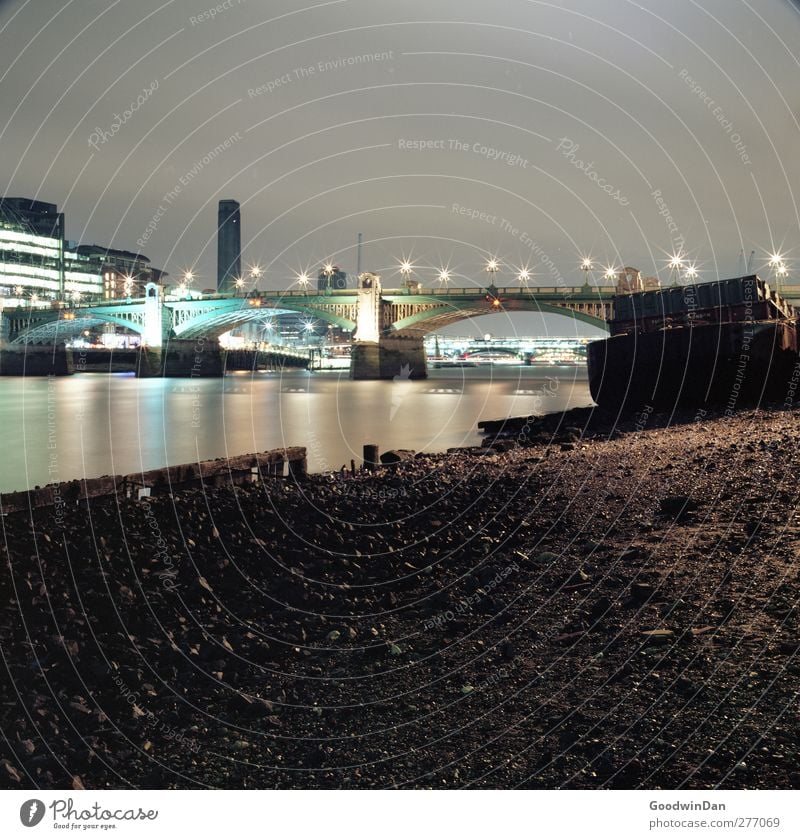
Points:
[(88, 425)]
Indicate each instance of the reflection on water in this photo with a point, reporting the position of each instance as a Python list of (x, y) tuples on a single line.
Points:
[(89, 425)]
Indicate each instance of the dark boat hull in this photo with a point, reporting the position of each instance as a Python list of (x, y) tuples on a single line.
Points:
[(724, 364)]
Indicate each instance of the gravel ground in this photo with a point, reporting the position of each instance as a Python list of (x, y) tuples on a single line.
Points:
[(603, 606)]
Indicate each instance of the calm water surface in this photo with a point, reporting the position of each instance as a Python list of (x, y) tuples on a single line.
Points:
[(89, 424)]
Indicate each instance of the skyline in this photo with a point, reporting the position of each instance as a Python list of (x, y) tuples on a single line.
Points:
[(334, 126)]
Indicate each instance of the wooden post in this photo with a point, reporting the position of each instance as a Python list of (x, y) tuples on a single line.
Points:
[(371, 456), (298, 469)]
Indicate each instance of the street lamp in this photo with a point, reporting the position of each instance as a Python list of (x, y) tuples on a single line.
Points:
[(775, 260), (492, 267), (691, 272), (675, 267), (188, 277), (780, 274), (610, 274), (586, 267), (303, 280), (238, 284), (524, 276), (444, 276)]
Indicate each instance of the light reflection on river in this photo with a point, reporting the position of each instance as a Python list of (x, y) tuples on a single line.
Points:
[(89, 425)]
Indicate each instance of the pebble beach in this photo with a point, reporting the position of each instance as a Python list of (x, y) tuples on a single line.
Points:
[(586, 603)]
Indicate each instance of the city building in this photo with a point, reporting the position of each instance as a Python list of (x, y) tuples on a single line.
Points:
[(332, 277), (124, 274), (38, 265), (229, 245)]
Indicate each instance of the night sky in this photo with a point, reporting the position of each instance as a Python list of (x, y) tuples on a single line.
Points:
[(445, 131)]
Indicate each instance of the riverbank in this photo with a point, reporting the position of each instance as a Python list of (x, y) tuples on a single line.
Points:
[(611, 607)]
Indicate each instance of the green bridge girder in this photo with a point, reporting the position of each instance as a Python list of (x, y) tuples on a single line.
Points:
[(440, 310), (213, 315)]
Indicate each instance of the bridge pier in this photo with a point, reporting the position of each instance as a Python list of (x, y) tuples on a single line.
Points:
[(181, 359), (36, 360), (391, 357)]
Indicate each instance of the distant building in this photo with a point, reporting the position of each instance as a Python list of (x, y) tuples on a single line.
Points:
[(334, 279), (38, 264), (629, 281), (229, 245), (124, 274)]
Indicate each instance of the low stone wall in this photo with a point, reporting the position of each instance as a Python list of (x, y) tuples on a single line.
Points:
[(247, 468), (36, 360)]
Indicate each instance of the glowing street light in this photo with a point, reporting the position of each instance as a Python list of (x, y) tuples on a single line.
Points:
[(444, 276), (256, 271), (586, 267), (524, 276), (303, 280), (610, 273), (188, 277), (492, 267), (238, 283), (406, 269), (691, 272), (775, 260)]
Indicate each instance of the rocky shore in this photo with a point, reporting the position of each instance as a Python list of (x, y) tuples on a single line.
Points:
[(585, 605)]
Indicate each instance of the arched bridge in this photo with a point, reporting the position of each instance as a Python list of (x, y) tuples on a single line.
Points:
[(388, 324)]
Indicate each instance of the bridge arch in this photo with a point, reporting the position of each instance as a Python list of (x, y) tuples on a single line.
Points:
[(60, 329), (442, 314), (227, 315)]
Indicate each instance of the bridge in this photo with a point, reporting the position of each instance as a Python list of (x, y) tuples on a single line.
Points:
[(388, 325), (178, 335)]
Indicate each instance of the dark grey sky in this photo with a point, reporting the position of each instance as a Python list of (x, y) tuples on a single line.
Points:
[(685, 108)]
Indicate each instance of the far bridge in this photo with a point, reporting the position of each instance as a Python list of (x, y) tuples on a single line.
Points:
[(388, 325)]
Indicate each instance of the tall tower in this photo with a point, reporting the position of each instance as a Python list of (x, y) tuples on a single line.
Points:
[(229, 245)]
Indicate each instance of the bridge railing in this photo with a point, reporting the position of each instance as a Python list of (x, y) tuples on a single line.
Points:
[(530, 291)]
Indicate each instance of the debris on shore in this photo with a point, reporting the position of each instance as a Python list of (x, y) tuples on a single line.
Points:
[(590, 605)]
